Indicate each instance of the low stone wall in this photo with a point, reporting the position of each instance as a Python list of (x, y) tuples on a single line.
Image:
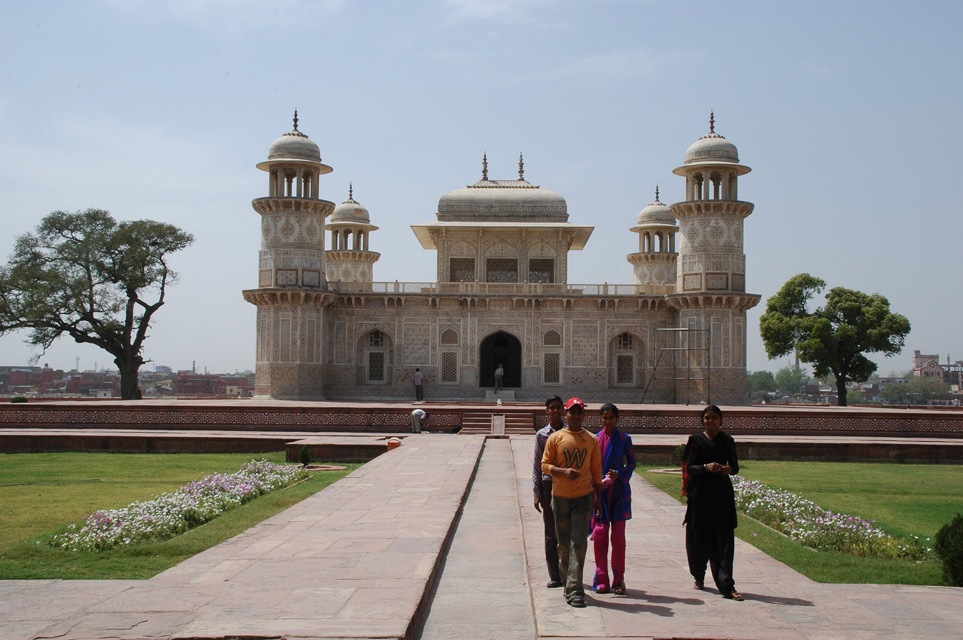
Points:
[(321, 417)]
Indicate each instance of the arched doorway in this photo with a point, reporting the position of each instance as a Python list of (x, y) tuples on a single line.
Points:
[(504, 349)]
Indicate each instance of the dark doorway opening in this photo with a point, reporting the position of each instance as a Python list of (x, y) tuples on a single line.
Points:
[(501, 349)]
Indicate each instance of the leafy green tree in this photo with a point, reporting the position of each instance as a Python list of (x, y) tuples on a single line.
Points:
[(834, 337), (916, 391), (96, 280), (791, 379), (761, 381)]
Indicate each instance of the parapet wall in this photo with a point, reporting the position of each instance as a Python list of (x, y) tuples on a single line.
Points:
[(322, 417)]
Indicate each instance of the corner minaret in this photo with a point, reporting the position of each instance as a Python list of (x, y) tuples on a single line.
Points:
[(292, 287), (710, 295), (349, 258), (655, 262)]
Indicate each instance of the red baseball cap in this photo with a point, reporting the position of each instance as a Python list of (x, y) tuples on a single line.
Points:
[(574, 402)]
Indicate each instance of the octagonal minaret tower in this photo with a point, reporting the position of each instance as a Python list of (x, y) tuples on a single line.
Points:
[(349, 258), (655, 262), (292, 287), (710, 298)]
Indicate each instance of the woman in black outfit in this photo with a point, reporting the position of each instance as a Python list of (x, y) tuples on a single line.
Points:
[(710, 516)]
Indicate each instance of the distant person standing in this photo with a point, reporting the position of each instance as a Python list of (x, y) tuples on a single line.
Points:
[(543, 488), (573, 460), (499, 377), (419, 380)]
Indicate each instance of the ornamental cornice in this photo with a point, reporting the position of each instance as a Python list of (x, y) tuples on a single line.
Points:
[(280, 205), (639, 258), (697, 208), (288, 297), (736, 301), (367, 257)]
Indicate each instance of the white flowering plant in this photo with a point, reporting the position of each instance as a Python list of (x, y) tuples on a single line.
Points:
[(818, 528), (170, 514)]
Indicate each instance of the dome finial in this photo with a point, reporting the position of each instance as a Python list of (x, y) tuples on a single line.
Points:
[(712, 122), (657, 193), (521, 167), (295, 119), (350, 191), (485, 166)]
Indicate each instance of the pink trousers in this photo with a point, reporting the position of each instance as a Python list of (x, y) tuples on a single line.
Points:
[(601, 539)]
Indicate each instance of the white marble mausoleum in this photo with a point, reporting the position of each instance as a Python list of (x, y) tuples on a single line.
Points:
[(327, 328)]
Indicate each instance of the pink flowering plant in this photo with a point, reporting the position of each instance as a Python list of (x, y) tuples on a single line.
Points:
[(808, 523), (170, 514)]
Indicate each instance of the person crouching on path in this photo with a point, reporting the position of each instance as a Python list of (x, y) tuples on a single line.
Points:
[(618, 465), (542, 482), (573, 460)]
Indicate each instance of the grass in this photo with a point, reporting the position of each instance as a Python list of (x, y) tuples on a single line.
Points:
[(43, 493), (903, 499)]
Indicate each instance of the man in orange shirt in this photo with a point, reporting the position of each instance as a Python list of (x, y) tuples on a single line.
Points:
[(573, 459)]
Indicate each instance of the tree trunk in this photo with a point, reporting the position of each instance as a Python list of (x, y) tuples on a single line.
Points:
[(129, 384), (840, 389)]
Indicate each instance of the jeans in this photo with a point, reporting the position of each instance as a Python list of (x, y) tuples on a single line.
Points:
[(573, 518)]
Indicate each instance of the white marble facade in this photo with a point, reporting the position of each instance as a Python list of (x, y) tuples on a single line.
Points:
[(328, 329)]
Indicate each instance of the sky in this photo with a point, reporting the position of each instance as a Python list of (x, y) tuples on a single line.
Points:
[(848, 113)]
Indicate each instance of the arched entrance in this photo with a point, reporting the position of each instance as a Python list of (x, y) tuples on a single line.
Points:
[(504, 349)]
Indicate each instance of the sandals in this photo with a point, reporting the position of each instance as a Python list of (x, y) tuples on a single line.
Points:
[(619, 589), (699, 584), (734, 595)]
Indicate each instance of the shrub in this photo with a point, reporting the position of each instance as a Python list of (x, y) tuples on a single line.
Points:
[(18, 399), (949, 547), (304, 456), (678, 451)]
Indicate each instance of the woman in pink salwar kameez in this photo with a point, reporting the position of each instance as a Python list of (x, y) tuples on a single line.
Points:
[(618, 465)]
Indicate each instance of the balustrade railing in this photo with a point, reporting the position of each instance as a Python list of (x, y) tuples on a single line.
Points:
[(502, 288)]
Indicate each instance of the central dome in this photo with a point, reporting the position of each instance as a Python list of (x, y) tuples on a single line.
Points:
[(505, 200)]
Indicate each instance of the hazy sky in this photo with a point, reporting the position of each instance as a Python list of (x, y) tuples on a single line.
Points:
[(849, 113)]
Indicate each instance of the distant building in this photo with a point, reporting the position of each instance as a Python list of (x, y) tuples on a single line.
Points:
[(928, 366)]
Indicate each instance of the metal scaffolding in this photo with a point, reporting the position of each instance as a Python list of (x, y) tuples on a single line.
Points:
[(691, 372)]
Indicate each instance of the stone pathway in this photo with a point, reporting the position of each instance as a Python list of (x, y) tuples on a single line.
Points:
[(483, 591)]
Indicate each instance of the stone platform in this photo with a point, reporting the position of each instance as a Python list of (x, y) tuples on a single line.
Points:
[(438, 539)]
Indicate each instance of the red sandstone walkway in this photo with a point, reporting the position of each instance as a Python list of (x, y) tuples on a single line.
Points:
[(358, 559)]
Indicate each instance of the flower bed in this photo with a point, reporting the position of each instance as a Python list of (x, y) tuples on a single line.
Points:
[(173, 513), (808, 523)]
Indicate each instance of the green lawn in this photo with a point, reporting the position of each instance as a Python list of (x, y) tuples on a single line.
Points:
[(903, 499), (42, 493)]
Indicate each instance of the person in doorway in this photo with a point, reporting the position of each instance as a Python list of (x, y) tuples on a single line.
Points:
[(573, 460), (499, 378), (708, 460), (618, 465), (419, 417), (543, 488), (418, 378)]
